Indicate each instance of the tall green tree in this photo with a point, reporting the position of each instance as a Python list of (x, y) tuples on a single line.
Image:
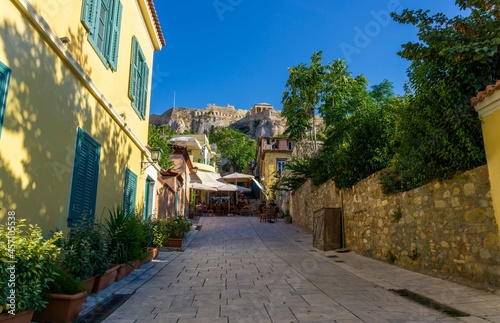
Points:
[(440, 133), (360, 126), (303, 97), (234, 145), (158, 136)]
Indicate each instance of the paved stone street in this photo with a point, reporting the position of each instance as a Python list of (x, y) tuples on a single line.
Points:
[(237, 269)]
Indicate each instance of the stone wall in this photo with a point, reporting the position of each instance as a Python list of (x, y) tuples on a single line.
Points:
[(446, 229)]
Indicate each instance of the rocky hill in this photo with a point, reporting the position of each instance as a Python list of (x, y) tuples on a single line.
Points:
[(261, 120)]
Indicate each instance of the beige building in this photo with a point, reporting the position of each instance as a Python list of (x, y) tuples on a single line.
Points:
[(272, 155), (487, 104), (75, 82)]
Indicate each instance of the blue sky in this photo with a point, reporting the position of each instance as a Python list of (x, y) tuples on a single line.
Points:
[(237, 51)]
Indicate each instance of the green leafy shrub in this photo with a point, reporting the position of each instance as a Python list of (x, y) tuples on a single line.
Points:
[(177, 227), (155, 231), (65, 283), (35, 266), (126, 236)]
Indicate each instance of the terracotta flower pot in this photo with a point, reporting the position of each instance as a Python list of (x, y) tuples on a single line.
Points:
[(61, 308), (24, 317), (122, 272), (89, 284), (174, 242), (106, 279)]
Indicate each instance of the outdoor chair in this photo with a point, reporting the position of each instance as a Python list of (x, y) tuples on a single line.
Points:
[(271, 214), (263, 215)]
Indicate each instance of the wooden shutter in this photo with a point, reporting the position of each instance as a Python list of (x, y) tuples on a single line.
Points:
[(129, 191), (134, 61), (4, 86), (114, 42), (85, 176), (89, 9), (144, 88)]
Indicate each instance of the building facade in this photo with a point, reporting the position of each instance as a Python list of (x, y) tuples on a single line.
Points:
[(487, 104), (272, 155), (75, 85)]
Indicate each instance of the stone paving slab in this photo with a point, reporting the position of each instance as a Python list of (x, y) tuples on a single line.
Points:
[(237, 269)]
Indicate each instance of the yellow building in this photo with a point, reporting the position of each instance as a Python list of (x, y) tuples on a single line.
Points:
[(272, 155), (199, 149), (75, 80), (487, 104)]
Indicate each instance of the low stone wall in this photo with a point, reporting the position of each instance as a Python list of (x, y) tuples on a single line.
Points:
[(446, 229)]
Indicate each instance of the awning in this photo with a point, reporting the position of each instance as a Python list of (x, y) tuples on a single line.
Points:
[(202, 187), (232, 188), (238, 177), (261, 187), (209, 179)]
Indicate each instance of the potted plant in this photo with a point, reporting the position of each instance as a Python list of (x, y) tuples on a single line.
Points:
[(75, 253), (126, 240), (155, 235), (176, 228), (287, 218), (26, 270), (65, 299)]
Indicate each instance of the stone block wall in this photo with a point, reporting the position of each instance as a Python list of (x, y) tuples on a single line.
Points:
[(446, 229)]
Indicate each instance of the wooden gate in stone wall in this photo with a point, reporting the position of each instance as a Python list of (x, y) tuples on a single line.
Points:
[(327, 229)]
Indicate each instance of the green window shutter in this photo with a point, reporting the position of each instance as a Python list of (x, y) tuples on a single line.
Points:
[(144, 89), (89, 9), (129, 191), (134, 62), (4, 86), (139, 75), (114, 42), (85, 176)]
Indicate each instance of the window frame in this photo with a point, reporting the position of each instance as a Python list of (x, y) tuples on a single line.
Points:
[(5, 73), (90, 17), (278, 161), (89, 190), (129, 191), (138, 79)]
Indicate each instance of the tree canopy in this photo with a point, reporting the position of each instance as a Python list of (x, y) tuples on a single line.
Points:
[(359, 124), (440, 134), (158, 136), (235, 146)]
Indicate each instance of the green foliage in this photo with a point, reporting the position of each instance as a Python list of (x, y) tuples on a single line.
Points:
[(84, 251), (360, 133), (302, 97), (65, 283), (177, 227), (126, 236), (297, 171), (439, 134), (158, 136), (414, 254), (397, 215), (235, 146), (75, 254), (156, 232), (35, 265), (391, 257)]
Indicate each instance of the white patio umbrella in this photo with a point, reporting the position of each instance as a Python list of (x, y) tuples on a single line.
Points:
[(238, 177), (202, 187)]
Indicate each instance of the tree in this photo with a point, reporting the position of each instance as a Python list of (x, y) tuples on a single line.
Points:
[(440, 134), (303, 97), (360, 126), (158, 136), (234, 145)]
